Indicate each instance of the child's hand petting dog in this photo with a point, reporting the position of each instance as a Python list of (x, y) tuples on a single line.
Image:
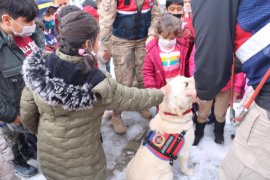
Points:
[(166, 89)]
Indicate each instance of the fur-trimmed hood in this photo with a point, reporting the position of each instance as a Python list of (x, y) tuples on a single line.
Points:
[(59, 82)]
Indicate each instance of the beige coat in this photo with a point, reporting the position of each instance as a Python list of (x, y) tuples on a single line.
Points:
[(69, 144)]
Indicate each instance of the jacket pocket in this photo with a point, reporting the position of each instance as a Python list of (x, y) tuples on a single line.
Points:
[(13, 82), (247, 125)]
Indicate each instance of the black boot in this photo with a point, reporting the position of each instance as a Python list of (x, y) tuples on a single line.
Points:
[(199, 131), (23, 168), (219, 132)]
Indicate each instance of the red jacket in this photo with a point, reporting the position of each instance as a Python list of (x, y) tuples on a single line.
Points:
[(153, 73), (92, 11)]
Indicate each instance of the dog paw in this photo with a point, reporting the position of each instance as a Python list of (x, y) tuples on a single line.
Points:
[(188, 172)]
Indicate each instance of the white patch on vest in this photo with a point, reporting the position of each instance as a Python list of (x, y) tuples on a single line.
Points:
[(255, 44)]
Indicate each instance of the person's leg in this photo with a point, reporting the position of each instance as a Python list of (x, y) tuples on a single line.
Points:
[(28, 146), (232, 168), (20, 164), (251, 144), (139, 60), (203, 113), (222, 101), (6, 157), (123, 59)]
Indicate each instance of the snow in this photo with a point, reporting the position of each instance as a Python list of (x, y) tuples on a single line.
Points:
[(204, 159)]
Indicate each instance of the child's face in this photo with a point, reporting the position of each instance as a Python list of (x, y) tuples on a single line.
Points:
[(169, 37), (175, 9), (187, 3), (61, 3), (48, 17)]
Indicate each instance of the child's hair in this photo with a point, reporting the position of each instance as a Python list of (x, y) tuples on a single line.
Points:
[(23, 8), (170, 2), (67, 9), (89, 3), (75, 29), (168, 24)]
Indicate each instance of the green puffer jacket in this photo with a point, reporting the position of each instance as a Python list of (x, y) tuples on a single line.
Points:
[(67, 120), (11, 81)]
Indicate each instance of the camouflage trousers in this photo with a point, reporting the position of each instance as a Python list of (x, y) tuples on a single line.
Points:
[(128, 57)]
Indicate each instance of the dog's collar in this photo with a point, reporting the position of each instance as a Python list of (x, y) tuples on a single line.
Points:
[(184, 113)]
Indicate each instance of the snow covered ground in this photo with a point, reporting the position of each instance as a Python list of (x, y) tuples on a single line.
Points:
[(205, 158)]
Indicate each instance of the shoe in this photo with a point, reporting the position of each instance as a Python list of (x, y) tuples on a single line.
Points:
[(146, 114), (23, 169), (117, 123), (199, 132), (219, 132)]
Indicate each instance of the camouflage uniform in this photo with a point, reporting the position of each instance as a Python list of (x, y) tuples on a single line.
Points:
[(127, 52), (128, 55)]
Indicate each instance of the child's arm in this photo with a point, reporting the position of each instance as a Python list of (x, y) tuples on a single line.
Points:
[(29, 111), (191, 62), (122, 98), (239, 83), (148, 71)]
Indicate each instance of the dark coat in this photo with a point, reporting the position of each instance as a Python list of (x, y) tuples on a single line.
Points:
[(11, 81)]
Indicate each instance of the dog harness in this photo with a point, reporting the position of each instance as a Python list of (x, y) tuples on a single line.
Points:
[(165, 146)]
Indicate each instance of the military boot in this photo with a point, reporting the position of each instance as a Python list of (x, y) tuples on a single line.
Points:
[(118, 124)]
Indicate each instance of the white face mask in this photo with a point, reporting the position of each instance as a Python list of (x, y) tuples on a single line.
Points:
[(187, 10), (166, 44), (27, 30)]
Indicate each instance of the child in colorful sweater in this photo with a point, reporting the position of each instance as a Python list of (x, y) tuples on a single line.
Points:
[(166, 56)]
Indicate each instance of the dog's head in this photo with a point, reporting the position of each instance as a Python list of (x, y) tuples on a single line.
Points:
[(177, 102)]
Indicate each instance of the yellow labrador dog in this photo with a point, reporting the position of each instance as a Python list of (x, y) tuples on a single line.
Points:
[(170, 137)]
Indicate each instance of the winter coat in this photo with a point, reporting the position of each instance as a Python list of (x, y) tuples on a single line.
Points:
[(153, 73), (65, 106), (189, 32), (11, 81)]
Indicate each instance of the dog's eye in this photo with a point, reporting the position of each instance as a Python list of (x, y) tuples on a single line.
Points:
[(186, 84)]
